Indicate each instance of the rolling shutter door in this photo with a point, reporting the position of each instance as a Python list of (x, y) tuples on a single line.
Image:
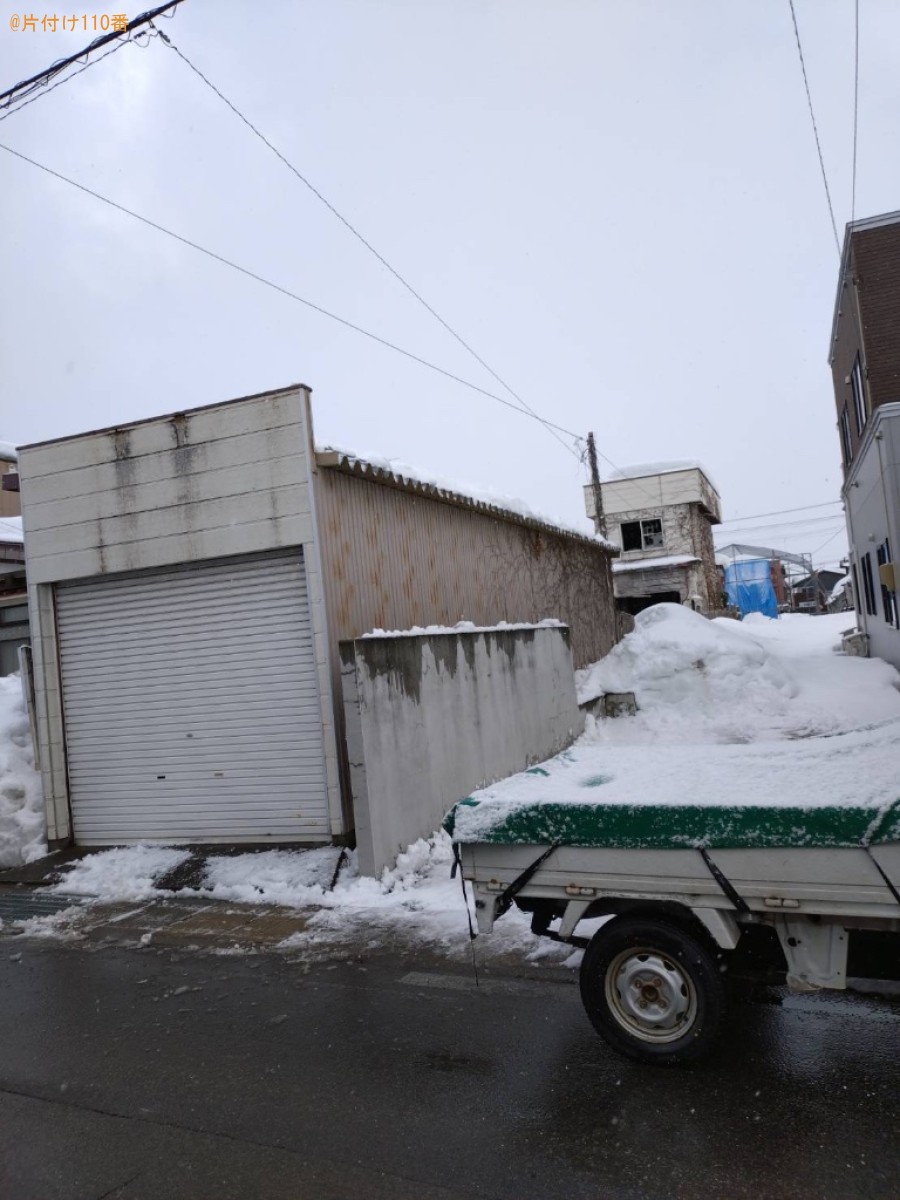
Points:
[(191, 705)]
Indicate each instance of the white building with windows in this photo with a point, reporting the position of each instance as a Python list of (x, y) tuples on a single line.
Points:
[(662, 514), (872, 504)]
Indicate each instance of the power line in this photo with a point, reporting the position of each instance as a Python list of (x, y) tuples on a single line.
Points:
[(855, 106), (780, 511), (285, 291), (28, 86), (360, 238), (837, 533), (39, 93), (812, 115)]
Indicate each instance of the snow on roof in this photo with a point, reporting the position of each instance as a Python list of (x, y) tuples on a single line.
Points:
[(657, 468), (649, 564), (8, 451), (11, 530), (838, 588), (465, 627), (465, 494)]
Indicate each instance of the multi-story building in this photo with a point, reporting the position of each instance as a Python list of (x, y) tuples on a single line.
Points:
[(865, 364), (662, 516)]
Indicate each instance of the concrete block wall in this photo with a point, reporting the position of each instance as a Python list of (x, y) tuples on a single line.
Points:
[(431, 717)]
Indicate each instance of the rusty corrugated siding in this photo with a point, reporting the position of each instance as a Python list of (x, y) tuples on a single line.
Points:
[(392, 559)]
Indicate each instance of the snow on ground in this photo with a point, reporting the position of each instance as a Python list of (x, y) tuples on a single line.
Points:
[(702, 681), (754, 711), (21, 801), (123, 873), (416, 901)]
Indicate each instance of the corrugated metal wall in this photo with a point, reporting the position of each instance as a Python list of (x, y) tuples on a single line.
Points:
[(392, 560)]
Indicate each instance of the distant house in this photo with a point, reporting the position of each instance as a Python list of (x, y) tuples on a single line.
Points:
[(9, 482), (661, 515), (812, 593), (13, 594), (190, 579)]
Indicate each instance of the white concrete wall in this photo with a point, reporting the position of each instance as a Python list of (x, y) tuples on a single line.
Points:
[(430, 718), (689, 486), (208, 483)]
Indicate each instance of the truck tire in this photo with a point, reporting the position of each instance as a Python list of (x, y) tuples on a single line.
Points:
[(652, 990)]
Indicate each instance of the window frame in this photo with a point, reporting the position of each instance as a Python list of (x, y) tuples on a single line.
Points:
[(868, 584), (857, 385), (846, 443), (645, 544)]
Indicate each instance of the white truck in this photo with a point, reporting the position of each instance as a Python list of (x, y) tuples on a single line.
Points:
[(689, 892)]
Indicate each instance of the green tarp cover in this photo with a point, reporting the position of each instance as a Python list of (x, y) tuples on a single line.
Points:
[(672, 827)]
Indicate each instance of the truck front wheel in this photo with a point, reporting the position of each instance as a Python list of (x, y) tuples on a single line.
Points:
[(653, 991)]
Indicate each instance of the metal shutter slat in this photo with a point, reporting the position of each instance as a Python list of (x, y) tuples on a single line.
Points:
[(224, 652)]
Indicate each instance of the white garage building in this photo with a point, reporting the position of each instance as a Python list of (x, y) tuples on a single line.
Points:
[(190, 578)]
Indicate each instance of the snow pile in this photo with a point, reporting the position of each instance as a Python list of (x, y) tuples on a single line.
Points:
[(705, 681), (464, 627), (21, 801), (287, 877), (406, 473), (123, 873)]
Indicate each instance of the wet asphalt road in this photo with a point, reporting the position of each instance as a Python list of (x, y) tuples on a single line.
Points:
[(138, 1074)]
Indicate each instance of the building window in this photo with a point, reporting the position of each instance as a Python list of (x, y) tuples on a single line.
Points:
[(855, 577), (641, 535), (845, 436), (888, 597), (859, 395), (13, 614), (868, 584)]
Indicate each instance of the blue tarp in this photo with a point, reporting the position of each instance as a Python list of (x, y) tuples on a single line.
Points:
[(749, 586)]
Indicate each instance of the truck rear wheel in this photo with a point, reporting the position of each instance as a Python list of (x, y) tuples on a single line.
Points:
[(653, 991)]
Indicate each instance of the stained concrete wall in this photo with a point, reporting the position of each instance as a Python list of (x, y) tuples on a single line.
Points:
[(432, 717)]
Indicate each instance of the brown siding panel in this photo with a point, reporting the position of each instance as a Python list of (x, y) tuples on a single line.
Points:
[(393, 560)]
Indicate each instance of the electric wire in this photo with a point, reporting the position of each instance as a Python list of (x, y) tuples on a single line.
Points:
[(812, 115), (38, 93), (285, 291), (360, 238), (35, 83), (781, 511)]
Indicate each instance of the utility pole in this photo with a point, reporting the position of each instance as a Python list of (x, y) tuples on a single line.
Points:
[(599, 518)]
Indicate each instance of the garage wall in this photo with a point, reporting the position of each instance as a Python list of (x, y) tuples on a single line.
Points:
[(432, 717), (209, 483)]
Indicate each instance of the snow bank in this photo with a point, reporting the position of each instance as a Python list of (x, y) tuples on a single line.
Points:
[(705, 681), (22, 829), (123, 873)]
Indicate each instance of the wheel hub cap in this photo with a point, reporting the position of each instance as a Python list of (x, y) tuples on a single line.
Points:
[(650, 995)]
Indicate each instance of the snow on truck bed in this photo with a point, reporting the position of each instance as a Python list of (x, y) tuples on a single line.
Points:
[(749, 733)]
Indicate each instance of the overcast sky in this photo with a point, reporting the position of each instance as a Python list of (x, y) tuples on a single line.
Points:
[(618, 205)]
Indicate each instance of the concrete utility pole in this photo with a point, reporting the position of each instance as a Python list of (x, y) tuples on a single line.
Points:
[(599, 518)]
